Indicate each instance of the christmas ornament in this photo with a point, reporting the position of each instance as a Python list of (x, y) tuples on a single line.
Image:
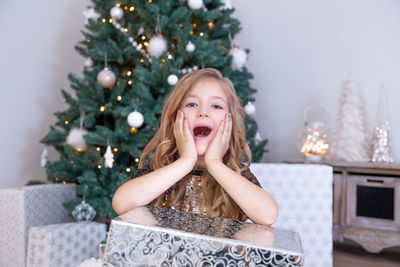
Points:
[(349, 138), (108, 158), (381, 147), (249, 109), (190, 47), (257, 138), (195, 4), (172, 79), (226, 5), (106, 78), (90, 14), (76, 140), (133, 130), (84, 212), (88, 62), (135, 119), (116, 13), (44, 158), (157, 46), (239, 58), (195, 67)]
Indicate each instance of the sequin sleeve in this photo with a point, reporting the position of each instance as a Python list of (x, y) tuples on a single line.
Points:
[(250, 176), (145, 169)]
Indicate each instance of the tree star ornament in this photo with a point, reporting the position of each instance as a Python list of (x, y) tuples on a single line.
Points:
[(76, 140), (90, 14), (239, 58), (172, 79), (108, 158), (190, 47), (250, 109), (157, 46), (106, 78), (195, 4), (116, 13), (135, 119)]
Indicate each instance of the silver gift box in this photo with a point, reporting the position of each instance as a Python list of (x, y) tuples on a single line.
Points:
[(152, 236)]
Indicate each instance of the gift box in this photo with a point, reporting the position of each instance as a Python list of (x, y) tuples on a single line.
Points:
[(66, 244), (27, 206), (152, 236)]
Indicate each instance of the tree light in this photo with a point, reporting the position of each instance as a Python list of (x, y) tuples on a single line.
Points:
[(98, 148), (119, 98), (99, 166), (115, 149), (131, 8), (128, 169), (66, 122)]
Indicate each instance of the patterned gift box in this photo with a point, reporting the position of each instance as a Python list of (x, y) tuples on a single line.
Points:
[(64, 245), (151, 236), (24, 207), (304, 196)]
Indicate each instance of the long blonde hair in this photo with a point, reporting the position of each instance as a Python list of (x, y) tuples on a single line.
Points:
[(219, 203)]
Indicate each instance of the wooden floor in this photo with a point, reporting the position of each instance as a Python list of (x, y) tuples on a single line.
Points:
[(351, 255)]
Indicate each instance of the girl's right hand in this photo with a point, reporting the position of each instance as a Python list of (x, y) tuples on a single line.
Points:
[(184, 138)]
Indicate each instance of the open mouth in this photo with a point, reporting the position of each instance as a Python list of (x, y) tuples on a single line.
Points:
[(201, 131)]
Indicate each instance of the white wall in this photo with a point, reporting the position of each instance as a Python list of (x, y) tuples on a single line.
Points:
[(301, 51)]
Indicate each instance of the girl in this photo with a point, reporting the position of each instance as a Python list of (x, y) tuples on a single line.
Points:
[(193, 163)]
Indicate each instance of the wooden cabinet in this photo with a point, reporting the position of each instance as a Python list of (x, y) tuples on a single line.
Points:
[(366, 205)]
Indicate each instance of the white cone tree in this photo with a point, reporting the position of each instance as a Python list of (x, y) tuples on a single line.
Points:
[(349, 139)]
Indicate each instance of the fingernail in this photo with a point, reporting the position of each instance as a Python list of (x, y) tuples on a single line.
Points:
[(184, 118), (229, 115)]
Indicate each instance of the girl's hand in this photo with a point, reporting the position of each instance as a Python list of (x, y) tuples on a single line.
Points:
[(184, 138), (220, 143)]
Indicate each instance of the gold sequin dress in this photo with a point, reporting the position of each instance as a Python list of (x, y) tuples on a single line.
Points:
[(194, 196)]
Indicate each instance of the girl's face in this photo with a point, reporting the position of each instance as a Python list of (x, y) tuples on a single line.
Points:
[(205, 107)]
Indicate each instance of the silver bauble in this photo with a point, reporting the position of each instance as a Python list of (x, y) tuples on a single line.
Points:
[(117, 12), (172, 79), (157, 46), (250, 109), (135, 119), (195, 4), (190, 47), (106, 78)]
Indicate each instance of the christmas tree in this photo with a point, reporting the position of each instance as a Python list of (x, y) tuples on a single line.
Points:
[(349, 140), (135, 52)]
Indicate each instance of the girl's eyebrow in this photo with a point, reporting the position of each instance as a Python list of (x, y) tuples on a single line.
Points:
[(214, 97)]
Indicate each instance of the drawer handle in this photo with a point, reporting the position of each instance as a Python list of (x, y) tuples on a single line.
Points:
[(375, 181)]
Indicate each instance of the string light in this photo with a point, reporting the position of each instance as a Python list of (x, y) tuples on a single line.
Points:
[(126, 7), (142, 60), (64, 182), (154, 129), (143, 37), (163, 60), (210, 24), (110, 20), (99, 166), (126, 29), (140, 46), (150, 1), (119, 4), (128, 169), (136, 159), (180, 25), (104, 20), (191, 32), (169, 56), (132, 8), (129, 82), (87, 41), (98, 148), (79, 149), (115, 149), (194, 25), (129, 73), (72, 162), (119, 98), (66, 122), (146, 43), (201, 34), (57, 178), (102, 108)]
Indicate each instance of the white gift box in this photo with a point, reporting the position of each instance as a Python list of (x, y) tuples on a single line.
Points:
[(66, 244), (27, 206)]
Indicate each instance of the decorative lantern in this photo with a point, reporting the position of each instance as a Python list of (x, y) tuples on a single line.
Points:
[(313, 138)]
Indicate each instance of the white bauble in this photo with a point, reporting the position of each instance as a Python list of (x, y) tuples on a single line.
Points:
[(157, 46), (44, 158), (239, 58), (227, 5), (183, 71), (135, 119), (195, 4), (88, 62), (195, 67), (190, 47), (250, 109), (76, 140), (117, 12), (172, 79), (106, 78)]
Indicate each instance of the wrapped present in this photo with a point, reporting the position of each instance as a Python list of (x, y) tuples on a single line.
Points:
[(23, 207), (152, 236), (66, 244)]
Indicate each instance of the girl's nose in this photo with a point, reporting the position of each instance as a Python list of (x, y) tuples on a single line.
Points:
[(203, 114)]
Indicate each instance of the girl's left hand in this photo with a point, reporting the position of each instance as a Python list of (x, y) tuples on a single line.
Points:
[(220, 143)]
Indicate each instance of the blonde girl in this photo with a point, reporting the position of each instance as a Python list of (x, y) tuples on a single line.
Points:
[(194, 162)]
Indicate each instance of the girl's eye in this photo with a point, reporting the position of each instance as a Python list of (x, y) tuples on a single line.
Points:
[(191, 105), (217, 106)]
